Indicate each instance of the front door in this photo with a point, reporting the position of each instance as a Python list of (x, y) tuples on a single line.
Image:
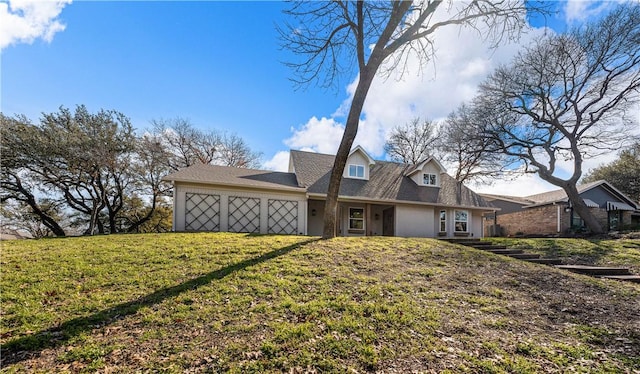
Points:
[(388, 222)]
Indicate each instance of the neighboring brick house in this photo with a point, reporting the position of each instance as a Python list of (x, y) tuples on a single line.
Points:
[(551, 213)]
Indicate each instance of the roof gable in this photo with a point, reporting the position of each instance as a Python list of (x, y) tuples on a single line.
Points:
[(421, 165), (359, 149), (388, 182)]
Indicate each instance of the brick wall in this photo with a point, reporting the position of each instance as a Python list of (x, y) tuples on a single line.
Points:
[(602, 217), (533, 221), (626, 218), (543, 220)]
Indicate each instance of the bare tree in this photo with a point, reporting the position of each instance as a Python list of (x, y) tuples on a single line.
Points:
[(412, 142), (234, 151), (333, 38), (566, 98), (187, 145), (16, 184), (461, 145)]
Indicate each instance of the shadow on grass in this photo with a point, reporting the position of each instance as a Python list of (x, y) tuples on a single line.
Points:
[(21, 348)]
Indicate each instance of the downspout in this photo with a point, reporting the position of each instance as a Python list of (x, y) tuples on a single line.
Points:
[(174, 215), (559, 221)]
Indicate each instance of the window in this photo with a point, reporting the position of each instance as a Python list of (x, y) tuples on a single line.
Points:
[(356, 219), (429, 179), (443, 221), (356, 171), (462, 220), (576, 221), (615, 219)]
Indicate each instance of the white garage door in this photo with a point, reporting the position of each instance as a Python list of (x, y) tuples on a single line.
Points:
[(244, 214), (283, 217), (202, 212)]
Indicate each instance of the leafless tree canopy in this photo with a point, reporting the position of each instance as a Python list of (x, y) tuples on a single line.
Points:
[(338, 37), (566, 98), (186, 145), (461, 145), (368, 38), (412, 142)]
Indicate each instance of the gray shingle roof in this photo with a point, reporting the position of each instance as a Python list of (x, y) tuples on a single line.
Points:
[(559, 195), (515, 199), (387, 181), (230, 176)]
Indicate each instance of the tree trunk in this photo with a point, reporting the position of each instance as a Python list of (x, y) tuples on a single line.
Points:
[(134, 227), (49, 222), (582, 209), (350, 132), (28, 198)]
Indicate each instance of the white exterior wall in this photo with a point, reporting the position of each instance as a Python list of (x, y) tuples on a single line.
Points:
[(357, 158), (415, 221), (375, 225), (476, 224), (180, 191), (430, 168), (316, 223)]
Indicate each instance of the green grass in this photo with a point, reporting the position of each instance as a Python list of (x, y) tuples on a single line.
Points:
[(250, 303), (620, 252)]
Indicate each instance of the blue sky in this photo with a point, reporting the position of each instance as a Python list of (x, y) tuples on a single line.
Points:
[(219, 64), (216, 63)]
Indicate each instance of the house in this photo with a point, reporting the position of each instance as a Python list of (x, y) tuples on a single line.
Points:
[(375, 198), (551, 213)]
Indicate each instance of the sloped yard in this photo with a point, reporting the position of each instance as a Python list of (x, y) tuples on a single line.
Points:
[(597, 252), (244, 303)]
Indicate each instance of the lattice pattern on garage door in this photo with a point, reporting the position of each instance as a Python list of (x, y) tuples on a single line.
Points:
[(244, 214), (283, 217), (202, 212)]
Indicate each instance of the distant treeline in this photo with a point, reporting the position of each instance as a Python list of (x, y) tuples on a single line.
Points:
[(76, 172)]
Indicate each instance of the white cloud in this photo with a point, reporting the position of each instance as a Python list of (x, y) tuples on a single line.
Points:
[(23, 21), (279, 162), (463, 60), (580, 10), (317, 135), (523, 185)]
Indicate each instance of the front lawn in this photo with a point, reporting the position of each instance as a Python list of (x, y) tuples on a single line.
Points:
[(249, 303)]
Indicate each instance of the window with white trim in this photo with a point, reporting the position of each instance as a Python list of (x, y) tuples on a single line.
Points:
[(356, 171), (356, 219), (461, 221), (429, 179), (443, 221)]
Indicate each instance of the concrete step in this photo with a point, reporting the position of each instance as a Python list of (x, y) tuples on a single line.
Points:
[(545, 261), (505, 251), (484, 246), (524, 256), (595, 270), (628, 278), (463, 241), (488, 246)]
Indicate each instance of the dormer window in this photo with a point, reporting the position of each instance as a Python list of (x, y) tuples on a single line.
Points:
[(429, 179), (356, 171)]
